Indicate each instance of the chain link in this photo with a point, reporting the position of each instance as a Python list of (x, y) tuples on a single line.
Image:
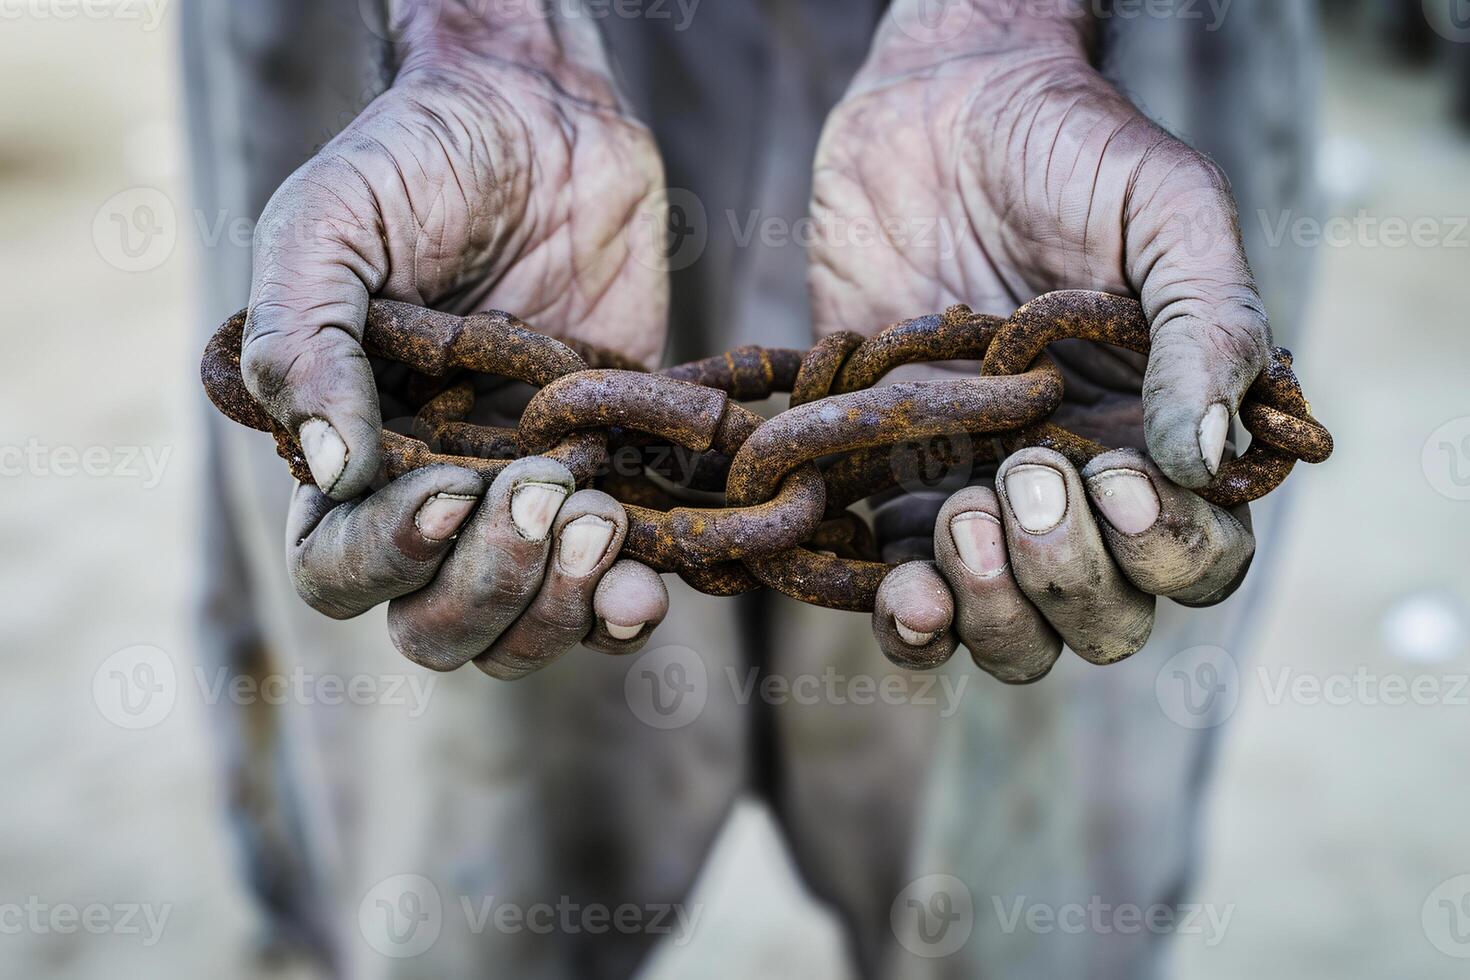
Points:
[(787, 482)]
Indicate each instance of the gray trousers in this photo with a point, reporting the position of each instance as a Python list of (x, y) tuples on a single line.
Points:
[(356, 821)]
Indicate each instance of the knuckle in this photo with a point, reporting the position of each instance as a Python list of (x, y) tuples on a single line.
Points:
[(512, 589), (568, 615), (1209, 547), (1065, 580), (1017, 661), (326, 597), (1104, 646), (316, 581), (418, 644), (265, 359), (1204, 172)]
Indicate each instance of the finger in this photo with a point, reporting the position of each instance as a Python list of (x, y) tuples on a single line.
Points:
[(630, 602), (1210, 336), (1061, 563), (317, 256), (1006, 636), (585, 539), (346, 558), (912, 617), (493, 573), (1168, 541)]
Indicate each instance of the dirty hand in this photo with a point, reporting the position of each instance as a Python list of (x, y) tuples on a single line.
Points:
[(498, 171), (1000, 165)]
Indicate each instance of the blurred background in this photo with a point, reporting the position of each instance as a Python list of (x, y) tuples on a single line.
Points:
[(1336, 832)]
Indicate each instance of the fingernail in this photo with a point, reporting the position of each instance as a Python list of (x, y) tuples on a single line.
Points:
[(622, 632), (442, 514), (912, 636), (980, 541), (533, 507), (1212, 431), (326, 453), (1038, 497), (1126, 498), (583, 543)]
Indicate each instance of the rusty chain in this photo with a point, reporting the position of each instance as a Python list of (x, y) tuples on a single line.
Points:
[(787, 482)]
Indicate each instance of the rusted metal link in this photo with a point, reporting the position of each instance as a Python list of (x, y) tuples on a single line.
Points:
[(746, 374), (871, 419), (787, 482), (1276, 445), (433, 344), (696, 418)]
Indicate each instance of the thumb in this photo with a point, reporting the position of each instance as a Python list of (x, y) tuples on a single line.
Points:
[(1210, 335), (317, 258)]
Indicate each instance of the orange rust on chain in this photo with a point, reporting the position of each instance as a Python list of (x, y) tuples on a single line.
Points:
[(1274, 411), (786, 482), (696, 418), (433, 344)]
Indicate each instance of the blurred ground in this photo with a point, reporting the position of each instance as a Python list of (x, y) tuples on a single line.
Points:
[(1332, 823)]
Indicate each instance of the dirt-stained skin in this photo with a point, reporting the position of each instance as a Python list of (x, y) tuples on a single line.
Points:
[(501, 170), (775, 497)]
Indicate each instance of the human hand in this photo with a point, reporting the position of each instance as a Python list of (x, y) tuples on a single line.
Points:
[(498, 171), (1040, 176)]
